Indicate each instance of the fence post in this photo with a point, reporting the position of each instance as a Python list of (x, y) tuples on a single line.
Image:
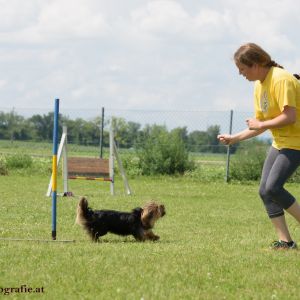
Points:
[(101, 133), (228, 148), (111, 157)]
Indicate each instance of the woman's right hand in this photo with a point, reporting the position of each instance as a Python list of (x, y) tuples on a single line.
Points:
[(225, 139)]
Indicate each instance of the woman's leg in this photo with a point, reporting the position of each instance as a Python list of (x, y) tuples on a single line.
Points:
[(294, 210), (273, 209), (280, 223), (281, 229), (285, 164), (278, 167)]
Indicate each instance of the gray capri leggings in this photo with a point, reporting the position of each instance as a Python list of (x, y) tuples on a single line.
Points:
[(278, 167)]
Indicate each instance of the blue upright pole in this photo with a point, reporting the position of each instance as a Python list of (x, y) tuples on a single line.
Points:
[(54, 167)]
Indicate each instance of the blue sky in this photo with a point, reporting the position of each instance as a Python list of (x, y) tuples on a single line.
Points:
[(138, 54)]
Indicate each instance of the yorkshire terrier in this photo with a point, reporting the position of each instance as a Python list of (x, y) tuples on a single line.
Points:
[(139, 222)]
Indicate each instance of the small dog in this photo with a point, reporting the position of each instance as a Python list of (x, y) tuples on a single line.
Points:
[(139, 222)]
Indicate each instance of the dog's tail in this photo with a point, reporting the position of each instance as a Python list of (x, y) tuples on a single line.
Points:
[(83, 212)]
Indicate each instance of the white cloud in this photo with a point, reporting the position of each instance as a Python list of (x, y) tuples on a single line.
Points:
[(71, 18), (169, 20), (212, 25), (264, 22), (158, 54), (162, 17), (3, 83), (37, 21), (16, 14)]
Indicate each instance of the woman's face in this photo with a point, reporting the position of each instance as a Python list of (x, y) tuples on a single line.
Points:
[(250, 73)]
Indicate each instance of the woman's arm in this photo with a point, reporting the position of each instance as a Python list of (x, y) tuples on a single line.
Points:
[(256, 127), (229, 139), (287, 117)]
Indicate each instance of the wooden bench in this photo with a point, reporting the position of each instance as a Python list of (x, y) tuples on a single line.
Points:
[(88, 167)]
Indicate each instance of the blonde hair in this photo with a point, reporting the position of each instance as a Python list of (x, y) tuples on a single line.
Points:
[(250, 54)]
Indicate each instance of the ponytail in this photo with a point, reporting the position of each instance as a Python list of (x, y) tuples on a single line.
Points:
[(272, 63)]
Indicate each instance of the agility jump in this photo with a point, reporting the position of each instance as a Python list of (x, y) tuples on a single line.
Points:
[(86, 168)]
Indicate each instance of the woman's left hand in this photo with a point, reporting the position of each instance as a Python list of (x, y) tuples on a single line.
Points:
[(254, 124)]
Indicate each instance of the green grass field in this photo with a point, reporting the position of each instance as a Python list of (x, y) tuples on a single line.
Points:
[(214, 244)]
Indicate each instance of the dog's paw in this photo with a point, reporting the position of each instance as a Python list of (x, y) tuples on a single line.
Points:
[(155, 238)]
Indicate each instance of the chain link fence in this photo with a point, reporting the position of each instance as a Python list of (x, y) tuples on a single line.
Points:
[(171, 119), (190, 121)]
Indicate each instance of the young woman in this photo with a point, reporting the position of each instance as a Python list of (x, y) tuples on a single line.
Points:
[(277, 108)]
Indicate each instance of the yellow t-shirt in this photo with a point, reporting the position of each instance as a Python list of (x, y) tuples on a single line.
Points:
[(280, 88)]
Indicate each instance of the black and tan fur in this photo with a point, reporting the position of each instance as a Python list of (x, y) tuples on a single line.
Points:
[(139, 222)]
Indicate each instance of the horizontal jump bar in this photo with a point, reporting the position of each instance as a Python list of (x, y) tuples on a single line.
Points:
[(91, 178)]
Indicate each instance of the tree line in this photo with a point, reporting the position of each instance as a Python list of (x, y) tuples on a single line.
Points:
[(128, 134)]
